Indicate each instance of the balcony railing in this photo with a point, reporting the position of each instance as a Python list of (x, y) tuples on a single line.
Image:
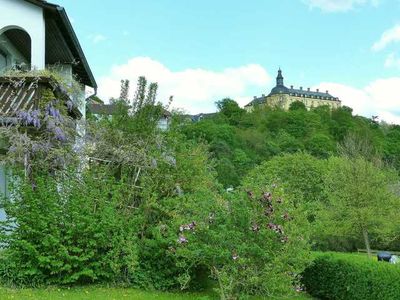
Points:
[(25, 93)]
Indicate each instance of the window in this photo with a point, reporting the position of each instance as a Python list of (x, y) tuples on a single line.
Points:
[(3, 61)]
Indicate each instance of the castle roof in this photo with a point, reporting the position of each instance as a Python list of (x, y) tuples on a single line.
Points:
[(280, 88)]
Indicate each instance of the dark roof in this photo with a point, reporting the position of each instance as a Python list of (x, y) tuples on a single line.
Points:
[(279, 89), (102, 109), (309, 94), (62, 44), (201, 116), (256, 101)]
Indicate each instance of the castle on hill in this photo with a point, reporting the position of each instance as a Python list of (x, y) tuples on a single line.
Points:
[(282, 96)]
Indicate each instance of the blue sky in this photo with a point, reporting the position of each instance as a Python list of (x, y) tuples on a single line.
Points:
[(201, 51)]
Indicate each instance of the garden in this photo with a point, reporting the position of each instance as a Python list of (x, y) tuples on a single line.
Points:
[(240, 205)]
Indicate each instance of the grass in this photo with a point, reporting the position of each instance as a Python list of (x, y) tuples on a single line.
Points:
[(104, 293)]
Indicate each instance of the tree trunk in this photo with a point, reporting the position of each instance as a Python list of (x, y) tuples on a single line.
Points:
[(366, 241)]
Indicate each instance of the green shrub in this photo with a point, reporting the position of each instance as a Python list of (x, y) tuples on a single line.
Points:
[(345, 276), (66, 231)]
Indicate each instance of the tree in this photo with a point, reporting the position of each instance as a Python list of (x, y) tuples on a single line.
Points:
[(301, 174), (297, 105), (360, 201), (231, 110)]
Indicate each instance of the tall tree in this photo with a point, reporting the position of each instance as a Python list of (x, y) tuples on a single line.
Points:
[(360, 200), (124, 94)]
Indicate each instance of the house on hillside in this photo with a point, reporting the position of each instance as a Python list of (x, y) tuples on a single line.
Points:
[(282, 96), (37, 35)]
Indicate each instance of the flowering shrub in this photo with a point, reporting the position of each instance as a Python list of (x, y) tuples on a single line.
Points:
[(253, 242), (146, 211)]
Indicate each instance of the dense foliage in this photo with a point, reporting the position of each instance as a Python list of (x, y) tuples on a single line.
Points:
[(143, 208), (352, 277), (241, 140), (360, 203), (148, 208), (68, 230)]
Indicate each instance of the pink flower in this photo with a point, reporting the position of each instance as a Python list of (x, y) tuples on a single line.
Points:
[(255, 228), (182, 240)]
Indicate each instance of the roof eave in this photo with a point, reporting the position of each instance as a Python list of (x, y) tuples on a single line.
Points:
[(64, 17), (68, 26)]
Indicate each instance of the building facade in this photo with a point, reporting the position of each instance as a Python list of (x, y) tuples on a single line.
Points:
[(37, 35), (282, 97)]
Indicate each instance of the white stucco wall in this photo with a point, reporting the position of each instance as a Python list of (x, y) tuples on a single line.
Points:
[(29, 17)]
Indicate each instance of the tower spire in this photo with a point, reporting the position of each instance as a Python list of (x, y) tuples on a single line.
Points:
[(279, 78)]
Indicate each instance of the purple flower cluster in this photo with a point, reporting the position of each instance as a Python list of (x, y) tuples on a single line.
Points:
[(276, 228), (182, 239), (52, 111), (189, 227), (30, 118), (59, 134), (54, 120)]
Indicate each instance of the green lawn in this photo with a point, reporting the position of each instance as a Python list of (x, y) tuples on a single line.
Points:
[(102, 293)]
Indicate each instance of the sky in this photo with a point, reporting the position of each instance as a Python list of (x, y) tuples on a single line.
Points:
[(203, 51)]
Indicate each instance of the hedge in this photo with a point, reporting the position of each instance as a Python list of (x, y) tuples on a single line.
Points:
[(349, 276)]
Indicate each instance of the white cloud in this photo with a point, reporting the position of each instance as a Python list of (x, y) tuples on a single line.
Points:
[(194, 90), (392, 61), (338, 5), (380, 98), (97, 38), (390, 36)]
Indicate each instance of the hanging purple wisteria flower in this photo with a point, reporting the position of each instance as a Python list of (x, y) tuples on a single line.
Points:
[(59, 134), (36, 118)]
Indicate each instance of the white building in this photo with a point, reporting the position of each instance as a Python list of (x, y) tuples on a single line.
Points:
[(36, 34)]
